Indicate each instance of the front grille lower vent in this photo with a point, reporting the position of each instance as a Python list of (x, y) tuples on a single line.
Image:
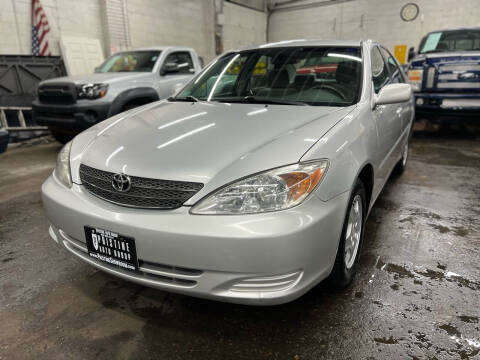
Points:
[(144, 192)]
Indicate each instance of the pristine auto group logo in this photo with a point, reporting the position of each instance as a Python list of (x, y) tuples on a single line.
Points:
[(121, 182)]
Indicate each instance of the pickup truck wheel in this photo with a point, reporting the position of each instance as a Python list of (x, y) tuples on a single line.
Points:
[(351, 239), (61, 136), (402, 163)]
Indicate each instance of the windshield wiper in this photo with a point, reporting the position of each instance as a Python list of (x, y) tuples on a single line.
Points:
[(256, 100), (251, 98), (188, 98)]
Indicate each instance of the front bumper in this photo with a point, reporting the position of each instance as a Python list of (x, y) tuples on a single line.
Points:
[(262, 259), (73, 117), (447, 105)]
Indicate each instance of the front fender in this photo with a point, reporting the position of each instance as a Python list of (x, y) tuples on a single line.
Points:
[(348, 146), (132, 94)]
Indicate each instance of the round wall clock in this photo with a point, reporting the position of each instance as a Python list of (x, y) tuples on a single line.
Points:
[(409, 12)]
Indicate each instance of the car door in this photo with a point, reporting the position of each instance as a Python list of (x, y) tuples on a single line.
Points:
[(386, 118), (170, 82), (404, 110)]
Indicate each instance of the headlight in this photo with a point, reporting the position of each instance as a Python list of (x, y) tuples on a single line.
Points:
[(62, 170), (92, 91), (273, 190), (415, 79)]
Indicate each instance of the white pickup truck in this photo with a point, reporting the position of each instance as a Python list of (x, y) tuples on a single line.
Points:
[(69, 105)]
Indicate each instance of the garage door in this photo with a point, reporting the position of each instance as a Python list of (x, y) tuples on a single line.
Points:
[(81, 55)]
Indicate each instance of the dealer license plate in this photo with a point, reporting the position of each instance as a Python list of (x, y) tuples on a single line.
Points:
[(112, 248)]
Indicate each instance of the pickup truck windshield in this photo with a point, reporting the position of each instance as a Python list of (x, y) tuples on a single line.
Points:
[(453, 40), (131, 61), (287, 76)]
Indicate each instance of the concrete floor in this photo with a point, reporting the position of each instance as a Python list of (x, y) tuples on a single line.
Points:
[(417, 293)]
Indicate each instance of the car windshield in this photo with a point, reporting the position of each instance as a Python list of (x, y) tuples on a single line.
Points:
[(455, 40), (131, 61), (324, 76)]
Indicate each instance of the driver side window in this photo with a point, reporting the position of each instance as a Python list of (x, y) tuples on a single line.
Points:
[(380, 75), (184, 61)]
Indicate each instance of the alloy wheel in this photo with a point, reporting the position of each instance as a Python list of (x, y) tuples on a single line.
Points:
[(354, 231)]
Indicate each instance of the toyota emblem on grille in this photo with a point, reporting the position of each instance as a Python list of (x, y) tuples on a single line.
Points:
[(121, 182)]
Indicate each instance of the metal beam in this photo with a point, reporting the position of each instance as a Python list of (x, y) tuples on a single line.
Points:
[(307, 5)]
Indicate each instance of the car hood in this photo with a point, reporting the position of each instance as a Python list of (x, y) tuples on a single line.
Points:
[(106, 78), (211, 143)]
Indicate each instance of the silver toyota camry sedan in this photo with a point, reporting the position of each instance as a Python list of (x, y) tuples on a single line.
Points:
[(251, 185)]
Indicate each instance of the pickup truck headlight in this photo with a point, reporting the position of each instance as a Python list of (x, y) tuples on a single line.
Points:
[(92, 91), (272, 190), (62, 170), (415, 79)]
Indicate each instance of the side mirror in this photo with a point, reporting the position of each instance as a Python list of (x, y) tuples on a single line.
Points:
[(411, 54), (170, 68), (393, 94)]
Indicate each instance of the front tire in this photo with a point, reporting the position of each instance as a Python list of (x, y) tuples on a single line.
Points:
[(61, 136), (351, 239)]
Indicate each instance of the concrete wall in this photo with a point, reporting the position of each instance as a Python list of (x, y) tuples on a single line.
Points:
[(166, 22), (243, 27), (191, 23), (150, 22), (376, 19), (66, 17)]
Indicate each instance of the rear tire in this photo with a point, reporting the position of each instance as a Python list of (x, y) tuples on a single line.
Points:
[(62, 136), (351, 239)]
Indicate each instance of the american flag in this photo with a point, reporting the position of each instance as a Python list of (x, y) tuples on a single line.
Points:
[(40, 29)]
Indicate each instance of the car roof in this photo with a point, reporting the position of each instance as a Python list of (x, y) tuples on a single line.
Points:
[(305, 42)]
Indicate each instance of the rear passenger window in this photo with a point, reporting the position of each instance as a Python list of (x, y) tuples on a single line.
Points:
[(380, 75), (393, 68)]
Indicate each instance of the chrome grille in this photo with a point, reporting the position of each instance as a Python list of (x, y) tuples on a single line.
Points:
[(459, 77), (144, 192), (430, 77)]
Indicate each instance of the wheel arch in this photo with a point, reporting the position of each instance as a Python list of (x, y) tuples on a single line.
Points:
[(141, 95), (366, 175)]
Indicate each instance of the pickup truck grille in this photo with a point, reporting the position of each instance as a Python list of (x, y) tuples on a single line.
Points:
[(143, 193), (457, 77), (62, 94)]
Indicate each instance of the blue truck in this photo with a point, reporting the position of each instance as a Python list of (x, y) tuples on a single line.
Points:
[(445, 74)]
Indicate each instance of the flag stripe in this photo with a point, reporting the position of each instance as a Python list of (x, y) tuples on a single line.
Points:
[(43, 35), (45, 48), (40, 29)]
